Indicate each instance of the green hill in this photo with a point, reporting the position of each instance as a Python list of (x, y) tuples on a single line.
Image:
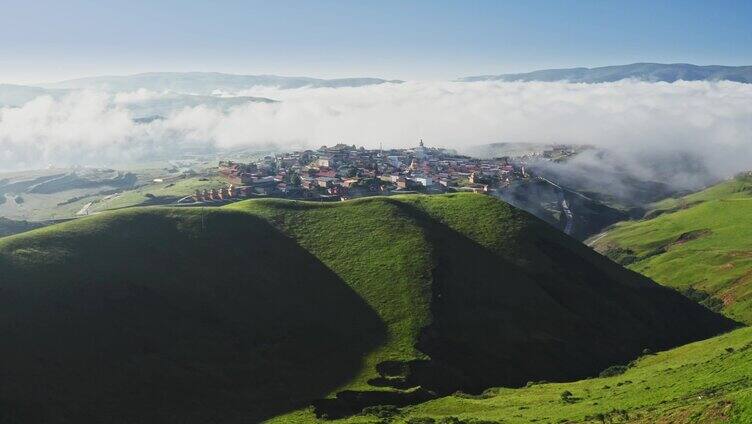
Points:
[(10, 227), (706, 382), (251, 311), (700, 244)]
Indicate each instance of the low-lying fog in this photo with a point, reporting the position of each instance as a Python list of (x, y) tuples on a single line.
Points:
[(645, 126)]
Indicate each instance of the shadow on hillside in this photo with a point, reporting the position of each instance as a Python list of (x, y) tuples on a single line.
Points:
[(147, 318), (498, 323), (563, 313)]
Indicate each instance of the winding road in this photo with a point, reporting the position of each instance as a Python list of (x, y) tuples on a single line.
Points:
[(568, 212), (569, 226)]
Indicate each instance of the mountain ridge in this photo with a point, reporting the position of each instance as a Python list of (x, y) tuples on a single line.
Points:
[(651, 72), (206, 83), (161, 103)]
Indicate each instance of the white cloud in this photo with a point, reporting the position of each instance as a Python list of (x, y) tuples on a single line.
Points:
[(711, 118)]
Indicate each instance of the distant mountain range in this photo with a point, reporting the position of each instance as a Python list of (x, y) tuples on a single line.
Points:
[(652, 72), (17, 95), (147, 107), (201, 84), (205, 83), (188, 89)]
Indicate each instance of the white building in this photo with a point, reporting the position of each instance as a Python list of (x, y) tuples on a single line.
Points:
[(424, 181)]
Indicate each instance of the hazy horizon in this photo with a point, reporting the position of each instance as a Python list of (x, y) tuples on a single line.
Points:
[(350, 76), (47, 41)]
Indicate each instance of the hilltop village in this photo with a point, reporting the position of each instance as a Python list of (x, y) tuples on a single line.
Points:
[(345, 171)]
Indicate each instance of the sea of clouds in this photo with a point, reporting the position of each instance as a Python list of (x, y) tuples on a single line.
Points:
[(710, 120)]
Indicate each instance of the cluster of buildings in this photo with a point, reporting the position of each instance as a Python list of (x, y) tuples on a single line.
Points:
[(345, 171)]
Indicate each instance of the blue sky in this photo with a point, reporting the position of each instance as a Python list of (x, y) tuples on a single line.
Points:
[(45, 40)]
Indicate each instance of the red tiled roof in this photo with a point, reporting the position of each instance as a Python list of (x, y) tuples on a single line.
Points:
[(330, 174)]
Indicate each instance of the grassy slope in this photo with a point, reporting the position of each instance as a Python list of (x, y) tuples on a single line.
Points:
[(389, 267), (140, 316), (141, 257), (167, 192), (41, 207), (701, 382), (10, 227), (248, 311), (690, 381), (497, 270), (718, 262)]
